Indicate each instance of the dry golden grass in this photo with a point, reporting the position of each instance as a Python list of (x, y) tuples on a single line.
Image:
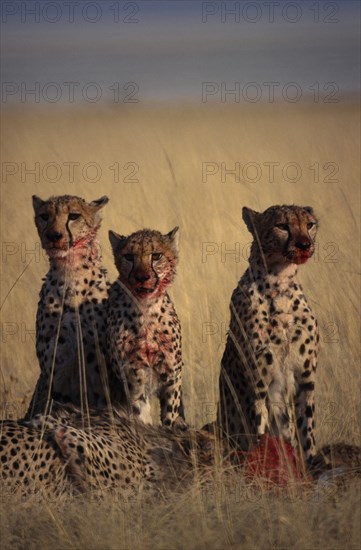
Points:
[(169, 145), (198, 519)]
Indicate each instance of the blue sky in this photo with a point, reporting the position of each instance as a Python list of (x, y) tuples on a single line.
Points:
[(169, 48)]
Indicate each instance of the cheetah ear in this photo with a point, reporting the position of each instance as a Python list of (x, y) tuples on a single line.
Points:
[(37, 203), (250, 218), (173, 236), (68, 447), (308, 209), (117, 241), (99, 203)]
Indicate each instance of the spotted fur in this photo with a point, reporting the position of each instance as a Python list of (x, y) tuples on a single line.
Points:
[(67, 452), (143, 329), (268, 368), (31, 461), (70, 323)]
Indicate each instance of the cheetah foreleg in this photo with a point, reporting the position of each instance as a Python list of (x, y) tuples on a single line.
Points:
[(305, 410), (171, 399)]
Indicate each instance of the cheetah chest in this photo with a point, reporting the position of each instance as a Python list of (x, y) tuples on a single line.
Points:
[(287, 330), (148, 347), (282, 322), (64, 320)]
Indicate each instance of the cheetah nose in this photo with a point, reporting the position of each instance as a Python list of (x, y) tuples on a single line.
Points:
[(54, 236), (141, 277), (303, 244)]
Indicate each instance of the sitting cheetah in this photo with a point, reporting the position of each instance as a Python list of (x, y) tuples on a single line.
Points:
[(70, 324), (268, 368), (67, 452), (143, 330)]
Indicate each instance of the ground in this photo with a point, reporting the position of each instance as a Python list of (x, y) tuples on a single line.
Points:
[(179, 157)]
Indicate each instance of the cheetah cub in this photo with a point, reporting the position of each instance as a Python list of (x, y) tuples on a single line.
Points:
[(268, 368), (143, 329), (70, 323)]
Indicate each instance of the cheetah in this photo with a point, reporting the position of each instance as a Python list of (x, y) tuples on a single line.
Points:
[(267, 377), (338, 456), (67, 453), (31, 461), (70, 323), (143, 329)]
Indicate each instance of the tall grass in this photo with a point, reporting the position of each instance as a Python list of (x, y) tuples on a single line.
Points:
[(167, 149)]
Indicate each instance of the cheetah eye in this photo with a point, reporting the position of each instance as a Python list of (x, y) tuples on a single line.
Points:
[(310, 225), (74, 216), (156, 256), (44, 217), (282, 226), (129, 257)]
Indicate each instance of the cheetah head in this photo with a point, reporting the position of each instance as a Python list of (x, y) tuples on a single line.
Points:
[(67, 224), (146, 261), (282, 234)]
